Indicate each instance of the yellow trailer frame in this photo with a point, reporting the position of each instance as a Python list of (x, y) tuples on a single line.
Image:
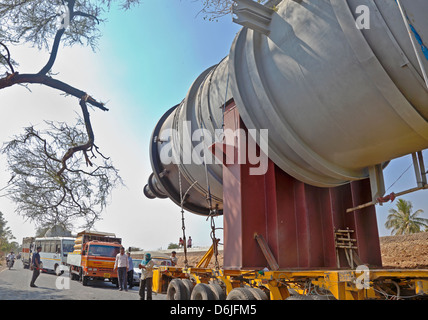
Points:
[(341, 284)]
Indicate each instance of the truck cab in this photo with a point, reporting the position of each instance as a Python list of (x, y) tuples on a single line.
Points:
[(94, 259), (98, 261)]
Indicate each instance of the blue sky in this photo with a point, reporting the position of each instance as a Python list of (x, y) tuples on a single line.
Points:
[(145, 63)]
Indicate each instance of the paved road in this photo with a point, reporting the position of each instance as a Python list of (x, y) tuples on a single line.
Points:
[(15, 285)]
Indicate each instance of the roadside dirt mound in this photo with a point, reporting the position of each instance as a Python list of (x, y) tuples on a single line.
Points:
[(194, 257), (398, 252), (407, 251)]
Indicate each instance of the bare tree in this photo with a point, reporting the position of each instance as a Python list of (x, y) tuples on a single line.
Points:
[(51, 182)]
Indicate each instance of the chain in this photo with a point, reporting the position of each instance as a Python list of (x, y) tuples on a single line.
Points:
[(214, 240), (183, 226)]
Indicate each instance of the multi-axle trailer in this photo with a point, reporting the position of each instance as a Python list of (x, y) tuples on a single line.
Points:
[(362, 283)]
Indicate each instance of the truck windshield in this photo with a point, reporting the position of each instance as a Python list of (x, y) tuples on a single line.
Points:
[(103, 251)]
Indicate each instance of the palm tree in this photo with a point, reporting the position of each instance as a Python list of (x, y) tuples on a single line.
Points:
[(403, 221)]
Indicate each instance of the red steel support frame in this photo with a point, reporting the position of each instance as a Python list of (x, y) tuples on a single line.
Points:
[(297, 220)]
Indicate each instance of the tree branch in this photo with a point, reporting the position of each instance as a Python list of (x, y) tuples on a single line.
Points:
[(54, 52), (85, 147), (83, 14), (17, 78), (7, 58)]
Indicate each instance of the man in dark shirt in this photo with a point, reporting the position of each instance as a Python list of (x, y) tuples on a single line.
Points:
[(36, 267)]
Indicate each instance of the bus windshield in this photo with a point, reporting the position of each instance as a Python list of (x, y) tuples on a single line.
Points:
[(103, 250), (67, 246)]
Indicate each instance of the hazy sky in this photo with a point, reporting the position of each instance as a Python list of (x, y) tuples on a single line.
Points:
[(146, 61)]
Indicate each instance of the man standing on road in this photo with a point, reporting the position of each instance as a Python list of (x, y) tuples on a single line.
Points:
[(130, 271), (146, 277), (36, 266), (122, 265)]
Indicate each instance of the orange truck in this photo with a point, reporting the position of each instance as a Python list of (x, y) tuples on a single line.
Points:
[(94, 256)]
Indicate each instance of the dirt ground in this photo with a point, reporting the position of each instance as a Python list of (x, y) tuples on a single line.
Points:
[(407, 252), (194, 257)]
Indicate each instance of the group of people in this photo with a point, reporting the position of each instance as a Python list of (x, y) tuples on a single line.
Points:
[(181, 242), (124, 267), (125, 270)]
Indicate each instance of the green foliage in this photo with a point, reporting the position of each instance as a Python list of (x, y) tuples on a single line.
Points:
[(403, 220), (173, 246), (5, 235)]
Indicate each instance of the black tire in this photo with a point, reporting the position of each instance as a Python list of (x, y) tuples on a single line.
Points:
[(176, 290), (259, 294), (85, 281), (240, 294), (189, 285), (202, 291), (218, 291)]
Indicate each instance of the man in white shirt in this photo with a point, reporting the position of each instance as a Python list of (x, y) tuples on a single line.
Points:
[(122, 266)]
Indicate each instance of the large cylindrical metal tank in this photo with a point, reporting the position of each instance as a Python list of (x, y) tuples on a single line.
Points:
[(183, 168), (337, 97)]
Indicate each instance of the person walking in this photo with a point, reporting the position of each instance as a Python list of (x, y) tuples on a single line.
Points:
[(146, 280), (122, 265), (130, 271), (36, 263), (189, 242)]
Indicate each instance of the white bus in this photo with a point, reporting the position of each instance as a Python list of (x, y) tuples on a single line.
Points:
[(54, 252)]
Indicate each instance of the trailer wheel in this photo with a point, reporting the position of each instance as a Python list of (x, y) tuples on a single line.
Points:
[(176, 290), (240, 294), (188, 284), (218, 291), (202, 291), (259, 294)]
